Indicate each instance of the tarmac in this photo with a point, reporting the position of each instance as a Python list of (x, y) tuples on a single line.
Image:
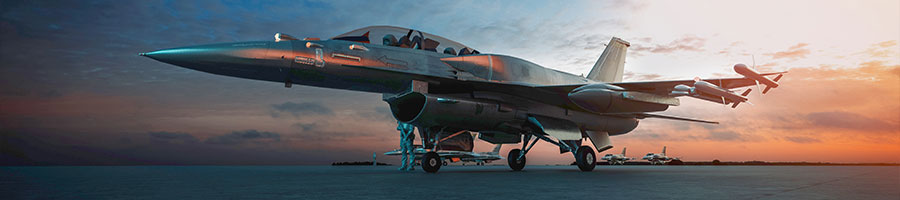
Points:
[(452, 182)]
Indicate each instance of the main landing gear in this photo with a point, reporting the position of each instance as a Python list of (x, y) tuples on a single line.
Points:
[(516, 159), (585, 157)]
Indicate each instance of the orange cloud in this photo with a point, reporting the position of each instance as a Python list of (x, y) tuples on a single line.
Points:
[(881, 49), (686, 43), (793, 53)]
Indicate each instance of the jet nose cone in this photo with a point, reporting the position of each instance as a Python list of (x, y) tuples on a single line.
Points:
[(210, 57), (174, 55)]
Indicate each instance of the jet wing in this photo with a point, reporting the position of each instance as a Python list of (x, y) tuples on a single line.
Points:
[(555, 94), (664, 87)]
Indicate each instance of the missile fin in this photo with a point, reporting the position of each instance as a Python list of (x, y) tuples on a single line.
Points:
[(757, 86), (746, 92)]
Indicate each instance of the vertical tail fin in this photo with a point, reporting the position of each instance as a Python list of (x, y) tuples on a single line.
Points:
[(735, 104), (611, 64), (497, 149), (623, 151), (664, 150)]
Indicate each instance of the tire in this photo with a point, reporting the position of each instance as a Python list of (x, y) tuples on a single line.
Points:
[(515, 165), (445, 163), (431, 162), (585, 158)]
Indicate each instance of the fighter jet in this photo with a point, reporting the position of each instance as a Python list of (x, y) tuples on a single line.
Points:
[(452, 156), (658, 158), (616, 158), (443, 87)]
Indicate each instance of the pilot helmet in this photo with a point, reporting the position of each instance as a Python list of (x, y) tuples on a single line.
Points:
[(389, 40)]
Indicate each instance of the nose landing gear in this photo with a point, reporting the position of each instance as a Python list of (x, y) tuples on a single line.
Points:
[(431, 162)]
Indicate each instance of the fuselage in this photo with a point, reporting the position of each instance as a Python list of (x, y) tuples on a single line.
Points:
[(338, 68), (383, 69), (652, 157)]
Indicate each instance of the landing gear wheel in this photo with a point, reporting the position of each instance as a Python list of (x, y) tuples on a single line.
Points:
[(431, 162), (514, 164), (445, 163), (585, 158)]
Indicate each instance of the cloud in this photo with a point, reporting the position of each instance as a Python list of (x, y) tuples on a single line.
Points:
[(850, 121), (794, 52), (307, 126), (686, 43), (300, 109), (887, 44), (724, 136), (632, 76), (882, 50), (381, 114), (241, 137), (172, 137), (802, 139)]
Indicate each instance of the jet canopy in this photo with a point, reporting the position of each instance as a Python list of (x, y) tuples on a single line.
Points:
[(406, 38)]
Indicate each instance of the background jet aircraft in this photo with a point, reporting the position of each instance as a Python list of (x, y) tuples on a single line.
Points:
[(452, 156), (616, 158), (443, 87), (658, 158)]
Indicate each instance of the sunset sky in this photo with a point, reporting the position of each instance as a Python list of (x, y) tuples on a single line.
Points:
[(74, 91)]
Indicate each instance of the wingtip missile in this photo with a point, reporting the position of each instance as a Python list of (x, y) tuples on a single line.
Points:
[(712, 89), (749, 73)]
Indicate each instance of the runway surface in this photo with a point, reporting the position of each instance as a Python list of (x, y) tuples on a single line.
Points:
[(453, 182)]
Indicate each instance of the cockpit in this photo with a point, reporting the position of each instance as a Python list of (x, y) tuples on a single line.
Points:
[(406, 38)]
